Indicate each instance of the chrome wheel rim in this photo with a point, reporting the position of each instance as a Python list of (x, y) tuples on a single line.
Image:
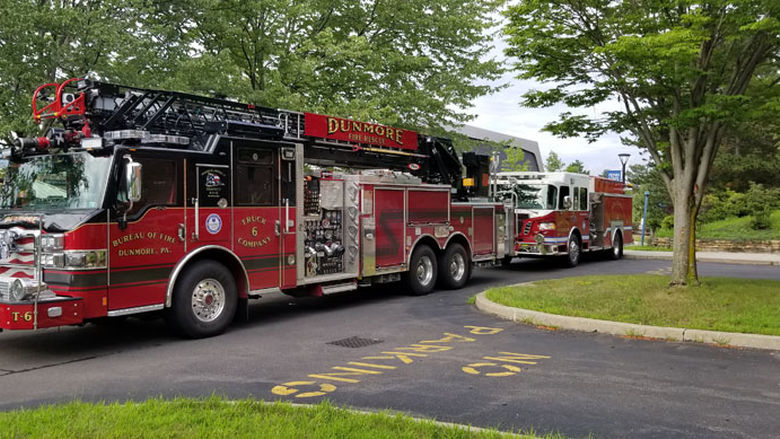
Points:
[(424, 271), (457, 267), (574, 250), (616, 248), (208, 300)]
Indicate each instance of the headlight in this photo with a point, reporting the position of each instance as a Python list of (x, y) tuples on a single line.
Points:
[(16, 291), (55, 260), (52, 242), (546, 226), (85, 259)]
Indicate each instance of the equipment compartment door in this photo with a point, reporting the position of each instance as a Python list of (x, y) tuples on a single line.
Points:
[(390, 226), (484, 230), (258, 211)]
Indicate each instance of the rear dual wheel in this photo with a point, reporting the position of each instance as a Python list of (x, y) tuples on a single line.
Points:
[(423, 269), (454, 267)]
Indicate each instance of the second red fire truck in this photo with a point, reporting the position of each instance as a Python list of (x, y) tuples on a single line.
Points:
[(140, 201), (564, 214)]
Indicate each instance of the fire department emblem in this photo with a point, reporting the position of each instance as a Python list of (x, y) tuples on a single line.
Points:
[(213, 223), (213, 180)]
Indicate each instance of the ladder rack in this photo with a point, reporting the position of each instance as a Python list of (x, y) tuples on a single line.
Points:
[(180, 120)]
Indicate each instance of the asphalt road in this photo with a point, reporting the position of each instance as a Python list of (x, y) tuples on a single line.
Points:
[(432, 356)]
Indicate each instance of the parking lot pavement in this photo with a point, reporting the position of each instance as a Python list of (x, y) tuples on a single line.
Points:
[(433, 356)]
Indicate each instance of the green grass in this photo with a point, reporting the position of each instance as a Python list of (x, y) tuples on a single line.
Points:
[(719, 304), (471, 300), (737, 229), (216, 418)]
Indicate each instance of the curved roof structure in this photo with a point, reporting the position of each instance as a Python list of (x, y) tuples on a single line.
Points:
[(533, 157)]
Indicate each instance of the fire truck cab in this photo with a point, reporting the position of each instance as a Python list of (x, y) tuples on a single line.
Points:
[(566, 214), (148, 201)]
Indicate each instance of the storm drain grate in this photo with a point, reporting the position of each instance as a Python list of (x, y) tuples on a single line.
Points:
[(355, 342)]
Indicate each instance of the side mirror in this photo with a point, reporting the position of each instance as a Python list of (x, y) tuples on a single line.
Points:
[(133, 181), (567, 202)]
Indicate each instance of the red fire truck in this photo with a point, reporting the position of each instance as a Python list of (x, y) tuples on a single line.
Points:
[(139, 201), (561, 213)]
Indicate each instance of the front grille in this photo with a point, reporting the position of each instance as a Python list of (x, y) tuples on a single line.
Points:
[(4, 285), (17, 258)]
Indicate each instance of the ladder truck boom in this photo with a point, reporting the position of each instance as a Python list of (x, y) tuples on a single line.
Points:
[(121, 114)]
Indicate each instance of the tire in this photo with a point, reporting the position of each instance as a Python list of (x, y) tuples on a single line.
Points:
[(205, 299), (423, 271), (574, 251), (617, 247), (454, 267)]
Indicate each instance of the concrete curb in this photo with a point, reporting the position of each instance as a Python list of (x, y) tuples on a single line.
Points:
[(622, 329), (738, 258)]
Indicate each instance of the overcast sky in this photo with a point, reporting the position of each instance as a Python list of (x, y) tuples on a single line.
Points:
[(502, 112)]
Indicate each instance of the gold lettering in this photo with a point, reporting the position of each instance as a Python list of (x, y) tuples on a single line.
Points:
[(333, 125)]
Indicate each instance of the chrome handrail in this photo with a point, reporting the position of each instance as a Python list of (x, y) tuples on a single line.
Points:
[(38, 270)]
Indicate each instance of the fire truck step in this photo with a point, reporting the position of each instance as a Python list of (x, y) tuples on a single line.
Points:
[(338, 288)]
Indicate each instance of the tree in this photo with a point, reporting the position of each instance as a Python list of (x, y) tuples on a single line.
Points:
[(132, 41), (515, 159), (553, 163), (577, 167), (680, 70), (417, 63), (648, 178)]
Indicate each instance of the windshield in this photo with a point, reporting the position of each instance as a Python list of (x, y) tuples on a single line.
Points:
[(65, 181), (530, 196)]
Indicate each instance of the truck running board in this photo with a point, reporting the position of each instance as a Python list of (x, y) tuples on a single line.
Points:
[(338, 288)]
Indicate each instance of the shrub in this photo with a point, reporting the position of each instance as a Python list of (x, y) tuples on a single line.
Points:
[(760, 201), (668, 222), (722, 205)]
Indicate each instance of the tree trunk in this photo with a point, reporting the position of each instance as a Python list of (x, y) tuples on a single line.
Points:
[(684, 259)]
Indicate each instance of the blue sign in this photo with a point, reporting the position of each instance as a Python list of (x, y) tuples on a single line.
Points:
[(614, 175)]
